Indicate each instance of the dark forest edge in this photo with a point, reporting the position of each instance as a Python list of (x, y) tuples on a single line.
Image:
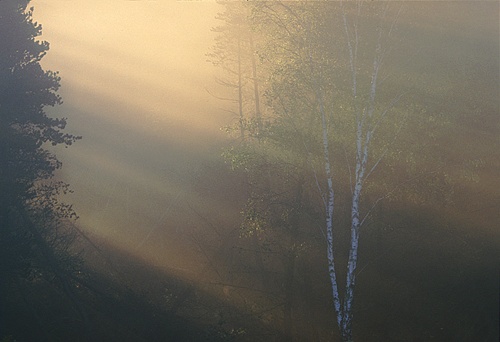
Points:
[(35, 227)]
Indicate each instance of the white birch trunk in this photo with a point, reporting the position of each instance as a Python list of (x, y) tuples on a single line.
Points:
[(365, 129), (366, 122), (330, 203)]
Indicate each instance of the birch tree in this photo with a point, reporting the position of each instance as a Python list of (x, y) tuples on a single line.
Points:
[(361, 125), (367, 113), (367, 119), (339, 86)]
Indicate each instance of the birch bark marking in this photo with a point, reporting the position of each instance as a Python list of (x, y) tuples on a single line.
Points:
[(365, 128), (329, 216), (329, 203)]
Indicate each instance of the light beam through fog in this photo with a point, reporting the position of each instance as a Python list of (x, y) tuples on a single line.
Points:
[(134, 75), (151, 188)]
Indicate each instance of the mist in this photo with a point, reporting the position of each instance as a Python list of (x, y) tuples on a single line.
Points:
[(135, 79), (164, 213)]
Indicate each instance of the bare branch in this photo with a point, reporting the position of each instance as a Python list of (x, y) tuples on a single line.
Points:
[(221, 98)]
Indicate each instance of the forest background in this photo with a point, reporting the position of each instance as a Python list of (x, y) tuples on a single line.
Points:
[(178, 245)]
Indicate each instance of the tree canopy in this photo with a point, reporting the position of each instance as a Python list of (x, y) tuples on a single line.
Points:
[(349, 134), (34, 229)]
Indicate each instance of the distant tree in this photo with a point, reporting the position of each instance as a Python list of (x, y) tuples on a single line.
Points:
[(365, 138), (324, 64), (34, 232), (234, 52)]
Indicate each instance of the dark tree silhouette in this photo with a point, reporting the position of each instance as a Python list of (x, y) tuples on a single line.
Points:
[(34, 229)]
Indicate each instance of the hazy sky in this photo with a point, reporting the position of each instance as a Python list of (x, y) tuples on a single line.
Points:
[(134, 84), (138, 53), (134, 78)]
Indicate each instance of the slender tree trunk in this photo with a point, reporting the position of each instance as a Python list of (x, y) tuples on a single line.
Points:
[(258, 115), (240, 94), (258, 255), (329, 206), (351, 267)]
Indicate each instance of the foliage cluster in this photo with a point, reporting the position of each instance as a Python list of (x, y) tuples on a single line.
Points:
[(35, 226), (319, 65)]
